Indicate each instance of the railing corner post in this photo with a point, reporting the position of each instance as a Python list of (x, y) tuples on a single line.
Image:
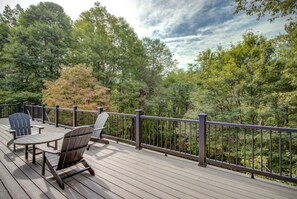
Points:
[(100, 110), (43, 113), (57, 116), (138, 128), (74, 116), (202, 139)]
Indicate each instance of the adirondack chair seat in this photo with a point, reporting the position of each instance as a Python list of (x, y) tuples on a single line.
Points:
[(73, 147)]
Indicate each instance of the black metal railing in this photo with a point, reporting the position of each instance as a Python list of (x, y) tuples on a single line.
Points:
[(120, 127), (84, 117), (171, 135), (263, 150), (8, 109), (256, 149)]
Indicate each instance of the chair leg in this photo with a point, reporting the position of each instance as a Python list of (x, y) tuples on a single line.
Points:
[(14, 147), (89, 145), (91, 171), (43, 163), (55, 174), (26, 152)]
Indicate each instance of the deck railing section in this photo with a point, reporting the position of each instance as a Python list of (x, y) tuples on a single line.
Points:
[(267, 151), (171, 136), (84, 117), (120, 127), (8, 109), (256, 149)]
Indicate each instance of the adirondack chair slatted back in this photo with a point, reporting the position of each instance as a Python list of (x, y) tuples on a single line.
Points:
[(100, 122), (73, 146), (20, 122)]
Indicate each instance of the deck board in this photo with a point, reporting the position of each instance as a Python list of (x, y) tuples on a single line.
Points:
[(3, 192), (124, 172)]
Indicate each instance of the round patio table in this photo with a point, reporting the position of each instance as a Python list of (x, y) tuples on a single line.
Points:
[(38, 139)]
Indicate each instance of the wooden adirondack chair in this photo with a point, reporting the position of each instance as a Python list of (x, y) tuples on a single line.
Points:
[(20, 126), (98, 127), (71, 153)]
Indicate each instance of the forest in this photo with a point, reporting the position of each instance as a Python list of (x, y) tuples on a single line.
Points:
[(98, 60)]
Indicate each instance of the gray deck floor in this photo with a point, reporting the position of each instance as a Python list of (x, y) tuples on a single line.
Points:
[(124, 172)]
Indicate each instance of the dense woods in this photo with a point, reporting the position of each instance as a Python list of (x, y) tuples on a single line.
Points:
[(98, 59)]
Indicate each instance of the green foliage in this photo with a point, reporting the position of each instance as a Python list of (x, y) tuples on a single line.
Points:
[(36, 48), (11, 16), (275, 8), (108, 44), (248, 83)]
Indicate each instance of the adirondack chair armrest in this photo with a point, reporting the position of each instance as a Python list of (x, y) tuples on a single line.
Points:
[(39, 128), (99, 128), (47, 149), (12, 131)]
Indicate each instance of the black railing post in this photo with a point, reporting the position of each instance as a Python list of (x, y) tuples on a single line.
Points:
[(57, 116), (202, 140), (43, 113), (24, 107), (18, 107), (100, 110), (138, 128), (32, 111), (74, 116), (0, 111)]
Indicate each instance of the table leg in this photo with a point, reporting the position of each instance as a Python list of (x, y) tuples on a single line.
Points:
[(33, 154), (56, 145), (26, 152)]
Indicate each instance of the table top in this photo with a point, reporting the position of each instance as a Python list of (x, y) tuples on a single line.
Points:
[(38, 138)]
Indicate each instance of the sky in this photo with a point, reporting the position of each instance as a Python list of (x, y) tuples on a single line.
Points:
[(186, 26)]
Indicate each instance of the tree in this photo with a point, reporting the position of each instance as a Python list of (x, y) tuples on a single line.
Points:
[(108, 44), (159, 62), (235, 84), (76, 86), (283, 106), (147, 86), (37, 47), (132, 68), (11, 16), (275, 8), (172, 98)]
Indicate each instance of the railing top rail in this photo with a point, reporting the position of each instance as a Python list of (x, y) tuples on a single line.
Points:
[(250, 126), (168, 118), (49, 107), (7, 104), (66, 109), (87, 111), (121, 114)]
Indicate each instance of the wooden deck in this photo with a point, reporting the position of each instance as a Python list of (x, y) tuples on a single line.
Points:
[(124, 172)]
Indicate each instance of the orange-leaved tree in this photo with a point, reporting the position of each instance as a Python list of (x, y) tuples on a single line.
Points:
[(76, 86)]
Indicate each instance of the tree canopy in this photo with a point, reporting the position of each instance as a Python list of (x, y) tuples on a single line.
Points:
[(35, 48), (275, 8), (76, 86)]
